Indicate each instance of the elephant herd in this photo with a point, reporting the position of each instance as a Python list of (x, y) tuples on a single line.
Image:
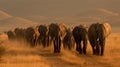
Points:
[(70, 37)]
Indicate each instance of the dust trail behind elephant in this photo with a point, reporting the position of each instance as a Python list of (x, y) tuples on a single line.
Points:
[(112, 53), (20, 54)]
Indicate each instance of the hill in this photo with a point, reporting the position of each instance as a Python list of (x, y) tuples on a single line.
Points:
[(4, 15), (11, 23)]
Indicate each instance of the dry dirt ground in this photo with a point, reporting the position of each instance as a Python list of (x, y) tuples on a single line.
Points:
[(18, 54)]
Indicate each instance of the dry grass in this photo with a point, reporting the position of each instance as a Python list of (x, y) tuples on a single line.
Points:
[(21, 55)]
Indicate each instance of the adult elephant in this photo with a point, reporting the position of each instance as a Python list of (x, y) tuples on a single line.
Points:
[(80, 34), (11, 35), (42, 39), (31, 35), (20, 33), (54, 33), (68, 41), (97, 34)]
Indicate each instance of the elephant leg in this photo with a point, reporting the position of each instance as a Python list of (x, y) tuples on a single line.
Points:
[(77, 46), (44, 43), (72, 43), (84, 46), (49, 40), (92, 43), (59, 45), (97, 49), (32, 42), (80, 48), (69, 46), (35, 42), (55, 47), (93, 50), (64, 45), (102, 48), (39, 40), (46, 40)]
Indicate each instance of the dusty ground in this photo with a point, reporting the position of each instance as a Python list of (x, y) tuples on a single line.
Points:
[(18, 54)]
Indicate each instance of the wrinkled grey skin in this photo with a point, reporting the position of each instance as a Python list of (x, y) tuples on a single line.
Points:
[(97, 34), (55, 36), (80, 34), (68, 41)]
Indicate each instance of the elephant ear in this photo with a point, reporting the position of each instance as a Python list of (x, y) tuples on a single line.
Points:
[(63, 29), (36, 31), (47, 26), (107, 28)]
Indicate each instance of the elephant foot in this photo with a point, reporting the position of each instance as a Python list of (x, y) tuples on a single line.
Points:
[(32, 46), (44, 46), (77, 49), (97, 54), (94, 53), (101, 54), (56, 51), (84, 52), (80, 52)]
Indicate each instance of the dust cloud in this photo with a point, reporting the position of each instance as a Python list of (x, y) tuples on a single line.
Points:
[(20, 54)]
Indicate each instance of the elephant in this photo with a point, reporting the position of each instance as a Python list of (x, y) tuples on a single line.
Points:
[(68, 41), (97, 34), (80, 35), (43, 30), (11, 35), (20, 33), (54, 35), (31, 35)]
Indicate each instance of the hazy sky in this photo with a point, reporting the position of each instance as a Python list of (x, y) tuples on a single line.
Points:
[(55, 7)]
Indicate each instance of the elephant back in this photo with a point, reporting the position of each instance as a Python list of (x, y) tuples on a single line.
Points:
[(20, 33), (30, 31), (53, 29), (80, 31), (42, 29)]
